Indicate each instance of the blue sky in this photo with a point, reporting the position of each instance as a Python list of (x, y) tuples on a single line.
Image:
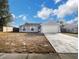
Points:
[(39, 11)]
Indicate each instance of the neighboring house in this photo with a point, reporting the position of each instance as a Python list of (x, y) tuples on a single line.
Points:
[(49, 27), (10, 29), (30, 27), (7, 29), (69, 26), (73, 28)]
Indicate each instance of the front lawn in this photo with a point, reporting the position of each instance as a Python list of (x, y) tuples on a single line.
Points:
[(24, 43)]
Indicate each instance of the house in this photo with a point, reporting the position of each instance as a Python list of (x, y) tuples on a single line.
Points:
[(48, 27), (72, 28), (30, 27)]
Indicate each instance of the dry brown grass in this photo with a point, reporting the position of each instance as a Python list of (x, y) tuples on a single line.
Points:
[(25, 43)]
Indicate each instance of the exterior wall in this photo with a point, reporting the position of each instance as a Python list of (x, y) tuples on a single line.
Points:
[(7, 29), (29, 28), (50, 28)]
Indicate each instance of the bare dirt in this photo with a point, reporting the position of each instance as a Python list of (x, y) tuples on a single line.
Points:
[(24, 43)]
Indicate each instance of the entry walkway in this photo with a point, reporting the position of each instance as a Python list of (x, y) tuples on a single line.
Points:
[(63, 43)]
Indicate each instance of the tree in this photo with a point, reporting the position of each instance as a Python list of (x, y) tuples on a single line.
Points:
[(62, 24), (5, 16)]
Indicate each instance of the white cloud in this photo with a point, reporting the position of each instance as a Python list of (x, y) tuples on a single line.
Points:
[(13, 16), (20, 16), (23, 17), (63, 10), (15, 25), (43, 4), (56, 1), (66, 9), (44, 13), (73, 20), (13, 22), (35, 16)]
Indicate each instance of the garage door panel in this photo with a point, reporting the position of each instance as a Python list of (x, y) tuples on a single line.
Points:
[(50, 29)]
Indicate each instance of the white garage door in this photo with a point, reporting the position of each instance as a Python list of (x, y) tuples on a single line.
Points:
[(50, 29)]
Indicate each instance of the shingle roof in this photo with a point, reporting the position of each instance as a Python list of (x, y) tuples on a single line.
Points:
[(50, 23), (31, 24)]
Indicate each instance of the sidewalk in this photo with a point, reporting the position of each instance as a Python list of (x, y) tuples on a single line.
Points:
[(29, 56), (38, 56)]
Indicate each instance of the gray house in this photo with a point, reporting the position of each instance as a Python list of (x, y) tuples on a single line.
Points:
[(48, 27), (30, 27), (73, 28)]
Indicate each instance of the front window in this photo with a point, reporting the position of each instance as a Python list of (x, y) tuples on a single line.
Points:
[(24, 29), (32, 29)]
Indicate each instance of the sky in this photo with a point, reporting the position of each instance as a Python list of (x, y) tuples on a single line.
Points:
[(39, 11)]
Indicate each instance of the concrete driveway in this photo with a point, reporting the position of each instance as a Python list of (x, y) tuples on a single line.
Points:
[(63, 43)]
